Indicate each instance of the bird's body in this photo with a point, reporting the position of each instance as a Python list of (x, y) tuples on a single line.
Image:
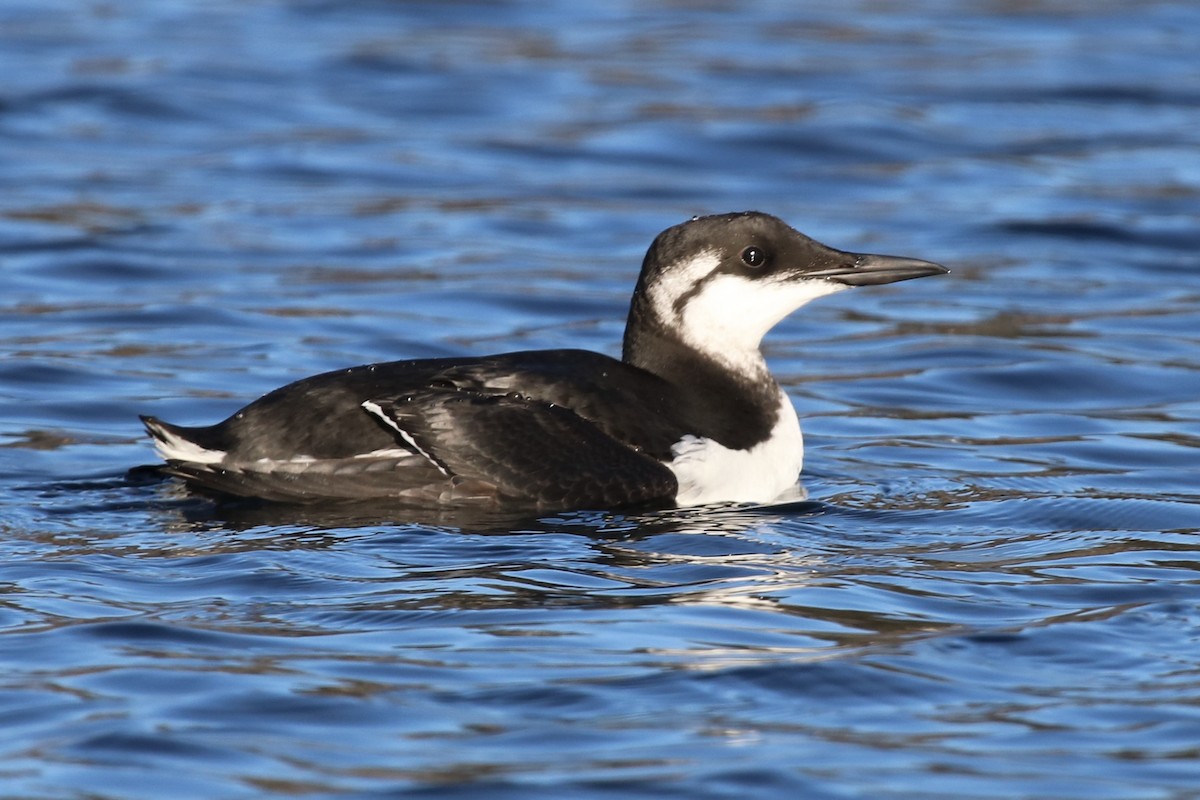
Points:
[(690, 414)]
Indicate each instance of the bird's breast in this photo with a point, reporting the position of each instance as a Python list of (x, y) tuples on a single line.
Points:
[(709, 472)]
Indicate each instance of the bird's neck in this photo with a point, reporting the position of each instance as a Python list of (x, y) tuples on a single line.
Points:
[(735, 406), (662, 349)]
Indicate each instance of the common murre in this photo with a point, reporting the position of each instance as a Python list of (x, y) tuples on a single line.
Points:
[(689, 415)]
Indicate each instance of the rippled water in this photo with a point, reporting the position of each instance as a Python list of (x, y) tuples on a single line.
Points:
[(992, 592)]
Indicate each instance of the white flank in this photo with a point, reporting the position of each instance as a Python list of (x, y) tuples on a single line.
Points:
[(709, 472), (374, 408), (175, 448)]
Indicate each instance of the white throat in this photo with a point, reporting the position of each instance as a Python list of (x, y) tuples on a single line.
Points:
[(728, 317)]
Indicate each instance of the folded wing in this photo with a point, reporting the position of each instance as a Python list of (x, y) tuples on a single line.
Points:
[(526, 449)]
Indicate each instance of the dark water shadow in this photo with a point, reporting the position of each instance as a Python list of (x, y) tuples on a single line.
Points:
[(147, 490)]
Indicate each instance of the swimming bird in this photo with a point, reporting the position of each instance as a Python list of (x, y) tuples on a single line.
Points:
[(690, 414)]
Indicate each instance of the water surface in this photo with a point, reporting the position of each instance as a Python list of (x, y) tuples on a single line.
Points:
[(992, 592)]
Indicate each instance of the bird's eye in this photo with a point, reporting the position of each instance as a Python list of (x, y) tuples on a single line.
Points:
[(754, 256)]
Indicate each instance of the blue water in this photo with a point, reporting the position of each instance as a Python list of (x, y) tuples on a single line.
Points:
[(992, 593)]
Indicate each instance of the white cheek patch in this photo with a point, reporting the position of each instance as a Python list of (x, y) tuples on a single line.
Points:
[(730, 314), (709, 472), (678, 280)]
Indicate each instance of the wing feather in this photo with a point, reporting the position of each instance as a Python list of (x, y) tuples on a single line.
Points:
[(529, 449)]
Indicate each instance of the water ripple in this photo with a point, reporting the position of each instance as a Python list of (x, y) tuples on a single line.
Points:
[(989, 592)]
